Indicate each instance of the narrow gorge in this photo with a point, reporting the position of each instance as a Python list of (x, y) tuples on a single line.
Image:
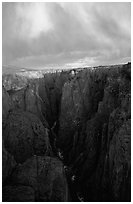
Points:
[(67, 135)]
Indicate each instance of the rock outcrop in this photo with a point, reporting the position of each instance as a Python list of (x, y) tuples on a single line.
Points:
[(28, 99), (24, 135), (44, 175), (14, 81)]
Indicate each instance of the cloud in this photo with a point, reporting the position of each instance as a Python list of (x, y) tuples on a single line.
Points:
[(38, 34), (33, 19)]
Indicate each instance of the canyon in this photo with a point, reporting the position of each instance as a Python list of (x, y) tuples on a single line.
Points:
[(67, 135)]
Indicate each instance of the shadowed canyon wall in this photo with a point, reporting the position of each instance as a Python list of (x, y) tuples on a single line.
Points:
[(67, 136)]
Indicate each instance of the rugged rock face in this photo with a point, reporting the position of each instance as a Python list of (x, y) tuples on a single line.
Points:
[(79, 103), (119, 160), (84, 117), (95, 110), (27, 99), (8, 163), (24, 135), (6, 103), (27, 133), (50, 91), (14, 81), (44, 175), (39, 96)]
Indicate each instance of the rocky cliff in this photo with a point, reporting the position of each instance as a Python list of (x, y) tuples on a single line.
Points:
[(67, 136), (31, 169), (94, 134)]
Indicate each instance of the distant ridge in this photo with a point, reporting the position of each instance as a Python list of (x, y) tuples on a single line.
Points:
[(10, 69)]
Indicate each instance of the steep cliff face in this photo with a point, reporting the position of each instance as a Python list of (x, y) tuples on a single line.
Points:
[(6, 103), (39, 96), (50, 91), (95, 110), (84, 117), (26, 140), (79, 102)]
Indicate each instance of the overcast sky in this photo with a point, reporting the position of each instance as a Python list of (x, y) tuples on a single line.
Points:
[(53, 34)]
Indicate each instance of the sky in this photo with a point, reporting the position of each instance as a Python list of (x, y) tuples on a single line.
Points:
[(40, 35)]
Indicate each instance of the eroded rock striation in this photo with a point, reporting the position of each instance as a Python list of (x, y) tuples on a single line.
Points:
[(94, 133), (50, 91), (81, 118)]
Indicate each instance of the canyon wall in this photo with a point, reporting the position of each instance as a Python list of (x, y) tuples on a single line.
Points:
[(95, 132), (31, 169), (68, 136)]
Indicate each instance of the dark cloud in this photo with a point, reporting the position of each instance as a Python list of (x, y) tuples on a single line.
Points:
[(38, 34)]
